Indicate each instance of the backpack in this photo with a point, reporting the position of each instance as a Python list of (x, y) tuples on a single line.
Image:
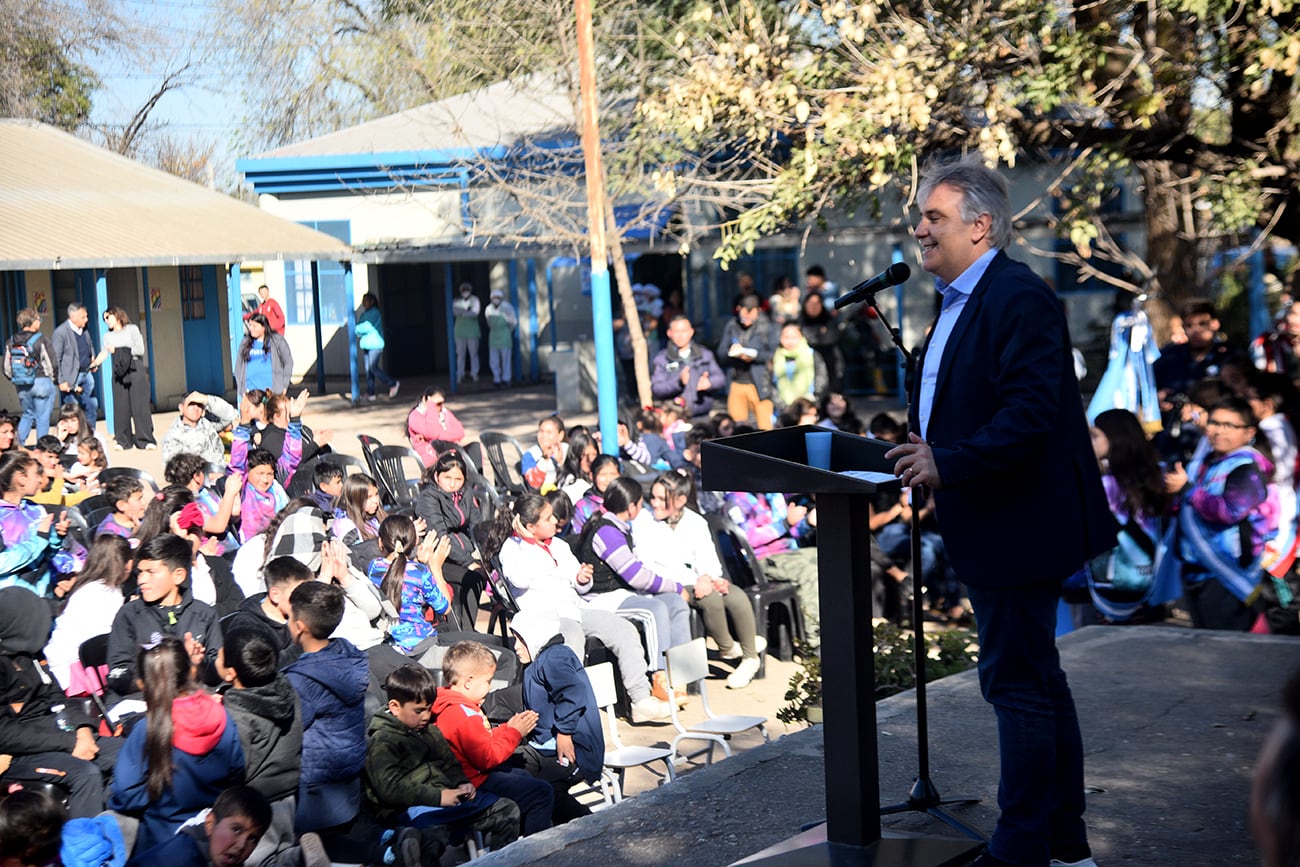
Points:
[(22, 359)]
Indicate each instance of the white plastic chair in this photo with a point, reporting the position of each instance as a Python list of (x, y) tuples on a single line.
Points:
[(645, 619), (619, 759), (689, 663)]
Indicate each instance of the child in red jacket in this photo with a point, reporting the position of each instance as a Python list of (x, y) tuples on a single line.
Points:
[(468, 668)]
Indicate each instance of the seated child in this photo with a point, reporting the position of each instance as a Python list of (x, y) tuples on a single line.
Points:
[(90, 460), (129, 502), (409, 575), (165, 606), (189, 470), (330, 678), (29, 535), (327, 483), (31, 824), (181, 756), (54, 489), (271, 610), (541, 463), (412, 777), (261, 497), (93, 600), (357, 517), (467, 669), (44, 746), (557, 688), (264, 707), (227, 836)]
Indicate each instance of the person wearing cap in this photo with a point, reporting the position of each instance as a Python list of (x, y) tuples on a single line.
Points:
[(744, 352), (465, 309), (501, 322), (197, 430)]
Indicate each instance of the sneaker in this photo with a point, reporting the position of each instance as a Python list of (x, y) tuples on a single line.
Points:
[(313, 851), (392, 392), (744, 673), (760, 647), (1074, 856), (370, 397), (659, 689), (404, 850), (1086, 862), (650, 709), (150, 447)]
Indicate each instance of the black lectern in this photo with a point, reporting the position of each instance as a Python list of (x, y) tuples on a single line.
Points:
[(776, 461)]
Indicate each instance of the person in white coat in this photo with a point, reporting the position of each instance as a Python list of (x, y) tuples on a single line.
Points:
[(467, 331)]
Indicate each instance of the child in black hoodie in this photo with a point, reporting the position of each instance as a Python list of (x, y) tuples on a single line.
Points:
[(265, 709)]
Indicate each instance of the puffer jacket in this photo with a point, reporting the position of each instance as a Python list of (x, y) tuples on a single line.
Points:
[(453, 515), (406, 768), (331, 686), (270, 731)]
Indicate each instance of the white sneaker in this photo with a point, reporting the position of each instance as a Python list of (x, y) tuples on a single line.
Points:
[(1086, 862), (650, 709), (370, 397), (744, 673), (392, 392), (760, 645)]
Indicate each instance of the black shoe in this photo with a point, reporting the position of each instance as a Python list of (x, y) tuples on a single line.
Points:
[(987, 860), (404, 849)]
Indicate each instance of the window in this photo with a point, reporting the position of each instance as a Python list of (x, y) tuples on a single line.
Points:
[(193, 302), (297, 282)]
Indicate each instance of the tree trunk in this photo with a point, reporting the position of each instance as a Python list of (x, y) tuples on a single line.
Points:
[(1171, 246), (640, 355)]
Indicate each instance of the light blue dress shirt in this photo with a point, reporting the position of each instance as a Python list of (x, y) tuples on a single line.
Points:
[(955, 295)]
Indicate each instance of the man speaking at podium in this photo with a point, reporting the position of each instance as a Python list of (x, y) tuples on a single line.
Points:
[(1004, 445)]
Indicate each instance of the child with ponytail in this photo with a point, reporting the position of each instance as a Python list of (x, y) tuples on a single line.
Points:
[(409, 575), (183, 754)]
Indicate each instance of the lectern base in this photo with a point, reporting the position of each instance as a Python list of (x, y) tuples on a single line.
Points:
[(811, 849)]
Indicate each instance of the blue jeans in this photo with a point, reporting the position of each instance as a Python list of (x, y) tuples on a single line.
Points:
[(37, 401), (89, 403), (373, 370), (1040, 793)]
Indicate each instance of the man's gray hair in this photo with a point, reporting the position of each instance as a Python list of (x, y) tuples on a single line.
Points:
[(984, 191), (75, 306)]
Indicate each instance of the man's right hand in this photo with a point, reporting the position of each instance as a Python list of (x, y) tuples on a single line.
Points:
[(63, 386)]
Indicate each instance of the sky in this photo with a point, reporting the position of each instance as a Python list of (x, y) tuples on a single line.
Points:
[(207, 109)]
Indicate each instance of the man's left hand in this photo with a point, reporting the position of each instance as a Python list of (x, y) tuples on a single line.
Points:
[(915, 463)]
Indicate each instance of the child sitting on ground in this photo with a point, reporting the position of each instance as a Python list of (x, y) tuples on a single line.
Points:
[(181, 756), (271, 610), (126, 494), (557, 689), (412, 777), (264, 707), (165, 606), (467, 669), (227, 836), (330, 678), (31, 824)]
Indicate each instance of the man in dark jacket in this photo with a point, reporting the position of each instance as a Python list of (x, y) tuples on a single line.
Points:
[(685, 372), (745, 350), (74, 361), (58, 748)]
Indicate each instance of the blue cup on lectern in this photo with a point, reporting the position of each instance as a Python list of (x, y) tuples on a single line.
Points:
[(818, 444)]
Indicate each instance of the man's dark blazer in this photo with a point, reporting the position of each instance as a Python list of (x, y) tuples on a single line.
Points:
[(1021, 500)]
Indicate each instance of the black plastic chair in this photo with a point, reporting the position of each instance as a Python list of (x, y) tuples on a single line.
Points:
[(504, 605), (303, 479), (393, 465), (94, 509), (506, 457), (745, 570), (368, 446), (129, 472), (93, 653)]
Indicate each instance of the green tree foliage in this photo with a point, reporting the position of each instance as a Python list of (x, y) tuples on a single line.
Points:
[(837, 103), (43, 75)]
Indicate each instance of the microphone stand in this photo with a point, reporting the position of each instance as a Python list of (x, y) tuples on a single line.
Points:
[(924, 796)]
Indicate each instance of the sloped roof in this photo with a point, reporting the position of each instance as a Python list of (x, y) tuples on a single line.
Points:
[(65, 203), (497, 115)]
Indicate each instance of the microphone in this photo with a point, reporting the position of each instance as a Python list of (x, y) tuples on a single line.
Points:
[(892, 276)]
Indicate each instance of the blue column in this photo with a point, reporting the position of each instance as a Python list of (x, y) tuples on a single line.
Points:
[(448, 291), (315, 317), (148, 336), (106, 379), (1260, 316), (235, 316), (602, 321), (536, 367), (349, 304), (512, 277), (550, 299)]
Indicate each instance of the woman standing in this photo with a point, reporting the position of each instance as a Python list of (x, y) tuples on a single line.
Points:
[(370, 332), (823, 331), (264, 360), (132, 415), (1224, 518)]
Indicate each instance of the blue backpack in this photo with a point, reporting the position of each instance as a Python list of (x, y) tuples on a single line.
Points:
[(22, 359)]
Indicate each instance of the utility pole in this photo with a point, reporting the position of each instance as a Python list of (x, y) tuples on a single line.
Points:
[(602, 316)]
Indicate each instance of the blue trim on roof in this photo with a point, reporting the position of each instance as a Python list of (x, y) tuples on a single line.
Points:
[(432, 157)]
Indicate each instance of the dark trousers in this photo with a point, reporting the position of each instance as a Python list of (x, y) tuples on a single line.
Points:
[(83, 781), (535, 798), (1040, 793), (132, 415), (1211, 606), (468, 584)]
